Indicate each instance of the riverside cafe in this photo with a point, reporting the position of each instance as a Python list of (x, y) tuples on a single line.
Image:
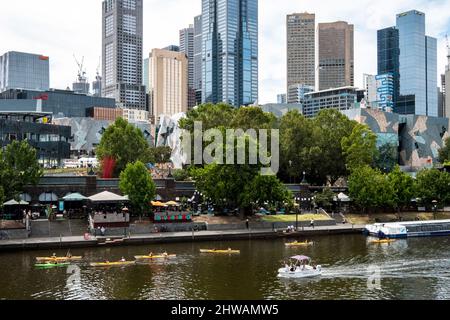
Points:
[(169, 212)]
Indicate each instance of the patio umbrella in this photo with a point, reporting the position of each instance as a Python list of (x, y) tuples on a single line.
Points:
[(15, 203), (158, 204), (172, 203)]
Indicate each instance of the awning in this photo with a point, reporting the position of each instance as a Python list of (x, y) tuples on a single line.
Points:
[(48, 197), (15, 203), (74, 197), (301, 258), (107, 196), (343, 197), (25, 197), (158, 204)]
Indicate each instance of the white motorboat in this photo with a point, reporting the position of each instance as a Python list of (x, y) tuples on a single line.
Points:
[(300, 267)]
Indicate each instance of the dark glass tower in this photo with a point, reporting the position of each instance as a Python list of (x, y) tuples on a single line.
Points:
[(389, 56), (230, 51)]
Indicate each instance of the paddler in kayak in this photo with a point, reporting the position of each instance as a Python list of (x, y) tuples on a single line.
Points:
[(165, 254), (123, 260)]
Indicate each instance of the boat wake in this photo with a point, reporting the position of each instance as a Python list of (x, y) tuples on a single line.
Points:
[(436, 268)]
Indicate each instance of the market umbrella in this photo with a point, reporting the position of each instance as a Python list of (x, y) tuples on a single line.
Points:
[(172, 203), (15, 203)]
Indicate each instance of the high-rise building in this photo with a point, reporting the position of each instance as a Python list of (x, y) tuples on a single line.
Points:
[(198, 59), (27, 71), (380, 91), (97, 86), (389, 56), (168, 83), (281, 98), (418, 63), (337, 98), (301, 49), (446, 86), (230, 51), (145, 74), (296, 93), (336, 55), (187, 47), (122, 53), (172, 47)]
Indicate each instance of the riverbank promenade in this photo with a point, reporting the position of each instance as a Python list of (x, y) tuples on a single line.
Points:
[(171, 237)]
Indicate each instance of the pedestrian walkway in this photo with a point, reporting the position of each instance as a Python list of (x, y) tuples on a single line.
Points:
[(80, 242)]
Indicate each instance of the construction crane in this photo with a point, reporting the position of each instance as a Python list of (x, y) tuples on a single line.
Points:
[(81, 72)]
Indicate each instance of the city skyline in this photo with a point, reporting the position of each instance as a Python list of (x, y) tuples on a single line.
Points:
[(65, 36)]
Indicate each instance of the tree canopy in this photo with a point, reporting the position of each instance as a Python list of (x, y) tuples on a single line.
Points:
[(18, 167), (124, 143), (444, 152), (360, 148), (137, 183)]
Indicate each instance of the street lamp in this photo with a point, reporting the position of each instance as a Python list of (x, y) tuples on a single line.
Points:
[(290, 171), (434, 209), (297, 201)]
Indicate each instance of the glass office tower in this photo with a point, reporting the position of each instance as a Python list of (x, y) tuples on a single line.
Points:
[(418, 62), (230, 51), (389, 57), (20, 70)]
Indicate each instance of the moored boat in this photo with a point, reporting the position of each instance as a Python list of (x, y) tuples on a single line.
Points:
[(300, 267), (398, 230), (229, 251)]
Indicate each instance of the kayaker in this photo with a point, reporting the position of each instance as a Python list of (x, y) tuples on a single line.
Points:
[(123, 259), (150, 254), (165, 254)]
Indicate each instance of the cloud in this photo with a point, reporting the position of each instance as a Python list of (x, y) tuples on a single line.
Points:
[(63, 28)]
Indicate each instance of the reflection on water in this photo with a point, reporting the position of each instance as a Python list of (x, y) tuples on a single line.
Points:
[(409, 269)]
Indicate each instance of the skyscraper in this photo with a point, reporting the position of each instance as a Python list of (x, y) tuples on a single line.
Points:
[(122, 53), (168, 83), (301, 52), (389, 57), (418, 62), (336, 55), (187, 47), (230, 51), (198, 58), (446, 86), (20, 70)]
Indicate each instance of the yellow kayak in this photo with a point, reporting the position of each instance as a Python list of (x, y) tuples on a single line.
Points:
[(299, 244), (162, 256), (382, 241), (112, 264), (220, 251), (58, 259)]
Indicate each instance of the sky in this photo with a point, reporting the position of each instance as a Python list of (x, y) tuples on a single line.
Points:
[(63, 28)]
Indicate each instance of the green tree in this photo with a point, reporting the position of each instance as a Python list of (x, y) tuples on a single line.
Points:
[(267, 189), (161, 154), (295, 145), (432, 184), (137, 183), (370, 188), (360, 148), (18, 167), (387, 157), (325, 198), (444, 152), (125, 144), (2, 197), (403, 187), (253, 118), (181, 174), (327, 157), (210, 115)]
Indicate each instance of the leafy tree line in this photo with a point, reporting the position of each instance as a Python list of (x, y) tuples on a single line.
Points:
[(370, 188)]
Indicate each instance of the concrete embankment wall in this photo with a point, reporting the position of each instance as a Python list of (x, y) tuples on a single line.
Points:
[(13, 234), (66, 228), (69, 228)]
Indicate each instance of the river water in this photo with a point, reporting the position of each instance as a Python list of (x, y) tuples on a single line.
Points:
[(406, 269)]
